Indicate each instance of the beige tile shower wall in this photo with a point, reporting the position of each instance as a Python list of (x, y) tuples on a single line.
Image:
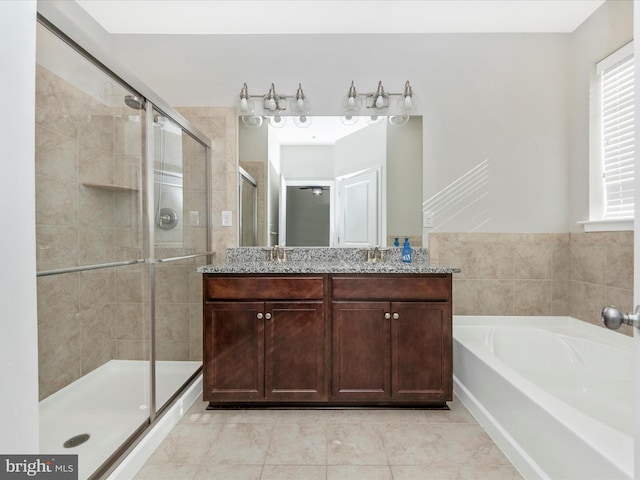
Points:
[(87, 212), (538, 274), (220, 126)]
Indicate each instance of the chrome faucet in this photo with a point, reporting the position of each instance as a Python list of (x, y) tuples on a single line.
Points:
[(278, 253), (375, 254)]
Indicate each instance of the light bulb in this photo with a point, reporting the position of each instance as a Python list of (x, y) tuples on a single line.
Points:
[(379, 101), (271, 104), (408, 102), (351, 102), (244, 105)]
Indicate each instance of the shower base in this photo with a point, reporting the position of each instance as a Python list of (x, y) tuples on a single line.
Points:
[(108, 404)]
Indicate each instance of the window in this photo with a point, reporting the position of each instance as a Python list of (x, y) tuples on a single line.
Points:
[(612, 141)]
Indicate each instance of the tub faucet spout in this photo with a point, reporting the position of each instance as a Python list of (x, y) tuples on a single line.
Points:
[(614, 318)]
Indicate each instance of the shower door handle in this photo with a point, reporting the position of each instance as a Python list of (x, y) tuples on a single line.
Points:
[(614, 318)]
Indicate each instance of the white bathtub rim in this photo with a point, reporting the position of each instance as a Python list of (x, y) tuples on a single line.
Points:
[(620, 446), (518, 456)]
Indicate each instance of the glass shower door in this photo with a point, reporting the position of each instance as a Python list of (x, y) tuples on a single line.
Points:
[(94, 369), (180, 244)]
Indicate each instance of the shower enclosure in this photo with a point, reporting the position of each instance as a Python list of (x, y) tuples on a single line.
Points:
[(122, 222)]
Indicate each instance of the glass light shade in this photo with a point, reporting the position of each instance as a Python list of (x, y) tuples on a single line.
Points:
[(352, 103), (375, 119), (252, 121), (408, 104), (245, 104), (271, 101), (300, 104), (379, 101)]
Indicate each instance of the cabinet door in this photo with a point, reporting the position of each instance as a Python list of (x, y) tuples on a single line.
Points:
[(295, 351), (421, 358), (234, 351), (361, 358)]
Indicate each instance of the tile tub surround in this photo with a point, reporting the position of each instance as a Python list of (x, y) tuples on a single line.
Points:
[(406, 444), (572, 274), (323, 260)]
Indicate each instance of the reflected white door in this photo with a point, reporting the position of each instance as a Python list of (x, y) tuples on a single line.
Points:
[(358, 209)]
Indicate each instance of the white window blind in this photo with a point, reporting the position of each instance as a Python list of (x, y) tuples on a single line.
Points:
[(617, 130)]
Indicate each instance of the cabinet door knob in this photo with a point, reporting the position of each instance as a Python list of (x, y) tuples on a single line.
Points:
[(259, 316), (267, 316), (396, 316), (387, 315)]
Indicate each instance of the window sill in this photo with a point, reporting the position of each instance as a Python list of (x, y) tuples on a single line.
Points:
[(610, 225)]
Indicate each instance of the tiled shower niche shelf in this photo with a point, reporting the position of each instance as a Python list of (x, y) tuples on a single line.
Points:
[(116, 188)]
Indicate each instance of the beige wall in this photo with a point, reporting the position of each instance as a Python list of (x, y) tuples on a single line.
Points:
[(538, 274)]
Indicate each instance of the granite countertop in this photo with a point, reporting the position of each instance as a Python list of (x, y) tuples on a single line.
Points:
[(323, 260)]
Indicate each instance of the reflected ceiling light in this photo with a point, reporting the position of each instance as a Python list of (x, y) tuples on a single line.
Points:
[(303, 121), (277, 121), (398, 120), (274, 105), (253, 121), (378, 102)]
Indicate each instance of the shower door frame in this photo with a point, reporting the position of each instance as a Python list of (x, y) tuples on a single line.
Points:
[(152, 101)]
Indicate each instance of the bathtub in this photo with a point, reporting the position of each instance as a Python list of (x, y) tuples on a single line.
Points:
[(555, 393)]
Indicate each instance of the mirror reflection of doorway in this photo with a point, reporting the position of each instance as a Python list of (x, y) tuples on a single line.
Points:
[(309, 215), (248, 208)]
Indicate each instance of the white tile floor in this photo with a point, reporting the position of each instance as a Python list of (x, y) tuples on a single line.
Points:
[(399, 444)]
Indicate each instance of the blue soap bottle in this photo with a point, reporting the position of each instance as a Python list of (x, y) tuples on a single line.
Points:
[(406, 251), (396, 243)]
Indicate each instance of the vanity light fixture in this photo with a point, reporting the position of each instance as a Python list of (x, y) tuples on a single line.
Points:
[(378, 102), (274, 105)]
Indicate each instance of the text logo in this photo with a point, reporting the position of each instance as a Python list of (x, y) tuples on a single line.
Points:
[(39, 467)]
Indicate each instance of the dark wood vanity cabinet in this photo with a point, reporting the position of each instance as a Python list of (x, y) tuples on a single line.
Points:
[(398, 350), (268, 350), (328, 339)]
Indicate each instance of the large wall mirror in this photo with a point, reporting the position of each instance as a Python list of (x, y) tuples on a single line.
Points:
[(330, 184)]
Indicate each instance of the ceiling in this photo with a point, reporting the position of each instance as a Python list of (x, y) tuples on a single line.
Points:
[(337, 16)]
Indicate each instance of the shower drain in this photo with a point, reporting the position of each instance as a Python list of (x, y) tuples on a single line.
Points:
[(76, 440)]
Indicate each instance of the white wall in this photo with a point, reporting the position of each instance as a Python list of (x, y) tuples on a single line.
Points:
[(18, 315), (495, 97), (503, 110), (301, 162)]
